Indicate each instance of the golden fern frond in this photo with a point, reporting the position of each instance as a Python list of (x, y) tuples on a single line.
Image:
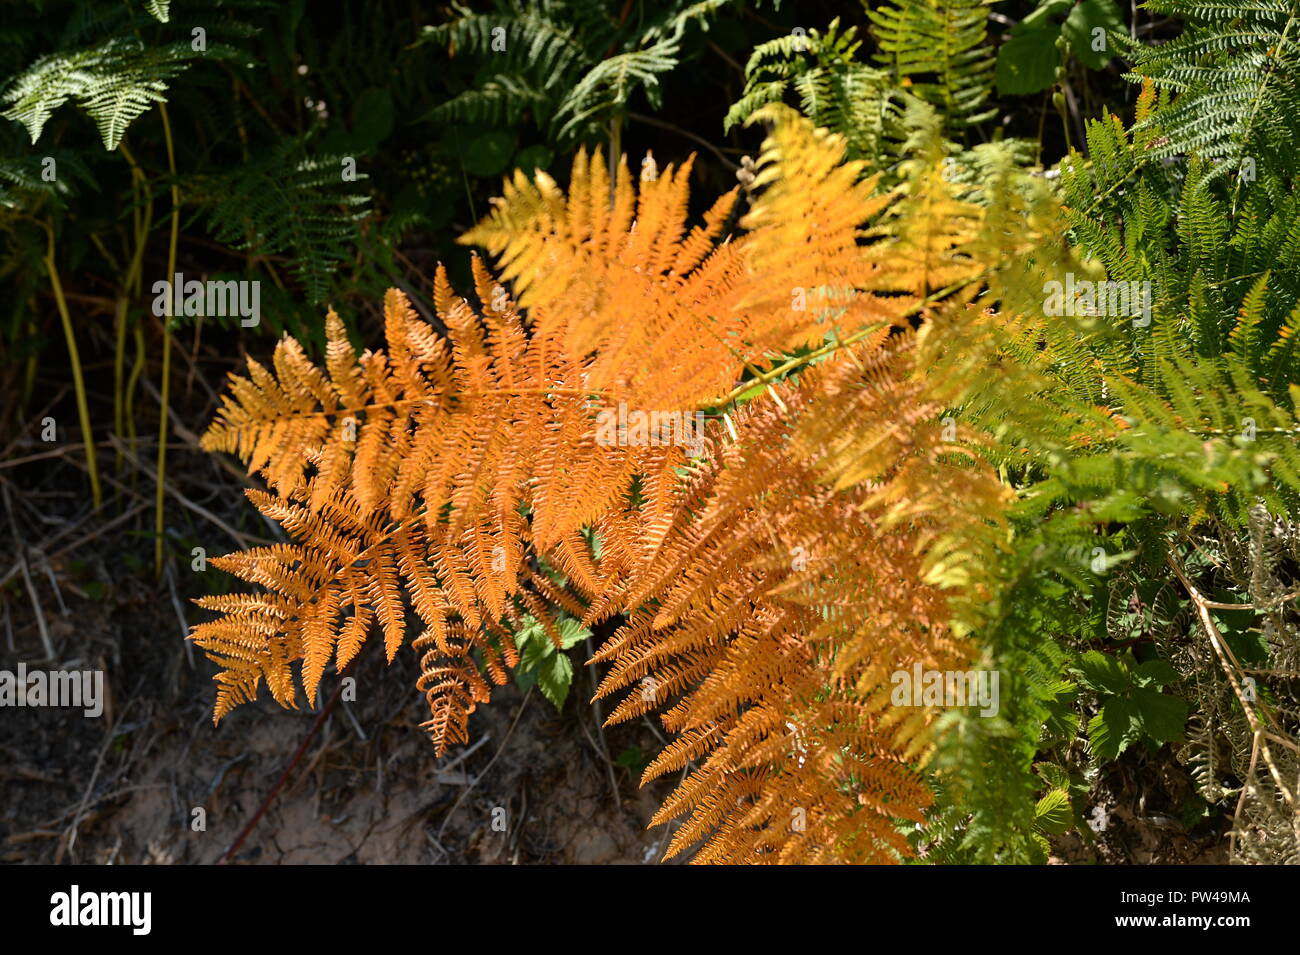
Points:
[(645, 295), (382, 484), (774, 570), (767, 628), (806, 260), (626, 278), (424, 475)]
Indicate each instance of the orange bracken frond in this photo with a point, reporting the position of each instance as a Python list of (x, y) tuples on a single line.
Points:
[(771, 564)]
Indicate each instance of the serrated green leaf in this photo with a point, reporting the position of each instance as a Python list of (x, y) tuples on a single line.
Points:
[(1154, 673), (541, 663), (1161, 715), (1055, 776), (1027, 63), (554, 677), (1248, 646), (1112, 730), (1053, 813), (1103, 673), (1081, 26), (572, 632)]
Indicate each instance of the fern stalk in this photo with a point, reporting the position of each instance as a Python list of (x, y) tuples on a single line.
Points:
[(831, 347), (137, 368), (160, 493), (29, 376), (83, 410), (615, 151), (119, 369), (141, 222)]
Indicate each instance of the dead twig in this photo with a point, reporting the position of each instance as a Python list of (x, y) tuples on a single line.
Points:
[(321, 717), (27, 578), (495, 756), (36, 606), (71, 832), (244, 540), (1233, 670), (43, 547), (180, 613)]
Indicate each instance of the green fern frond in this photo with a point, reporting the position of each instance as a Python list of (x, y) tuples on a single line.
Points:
[(23, 179), (834, 90), (289, 204), (540, 61), (610, 84), (498, 100), (1234, 71), (114, 82), (939, 50), (572, 65)]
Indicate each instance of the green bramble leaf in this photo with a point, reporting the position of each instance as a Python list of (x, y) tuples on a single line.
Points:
[(1160, 715), (1027, 63), (541, 664), (1088, 29), (1155, 673), (1053, 813), (1102, 672), (1114, 729)]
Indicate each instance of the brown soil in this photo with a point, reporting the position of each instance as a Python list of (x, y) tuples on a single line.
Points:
[(536, 787), (124, 788), (1135, 817)]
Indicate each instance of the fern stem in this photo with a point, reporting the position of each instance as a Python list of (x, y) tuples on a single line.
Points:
[(1065, 121), (1042, 126), (774, 373), (29, 378), (143, 224), (119, 369), (686, 134), (1276, 54), (160, 495), (469, 195), (830, 347), (615, 153), (137, 368), (275, 276), (78, 382), (465, 393)]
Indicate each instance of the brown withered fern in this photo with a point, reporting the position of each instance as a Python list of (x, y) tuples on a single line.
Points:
[(824, 531)]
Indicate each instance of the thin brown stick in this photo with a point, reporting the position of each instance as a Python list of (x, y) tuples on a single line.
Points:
[(495, 756), (80, 542), (685, 134), (71, 833), (244, 540), (1232, 669), (284, 776)]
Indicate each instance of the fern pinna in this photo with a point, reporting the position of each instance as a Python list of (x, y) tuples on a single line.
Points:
[(830, 527)]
